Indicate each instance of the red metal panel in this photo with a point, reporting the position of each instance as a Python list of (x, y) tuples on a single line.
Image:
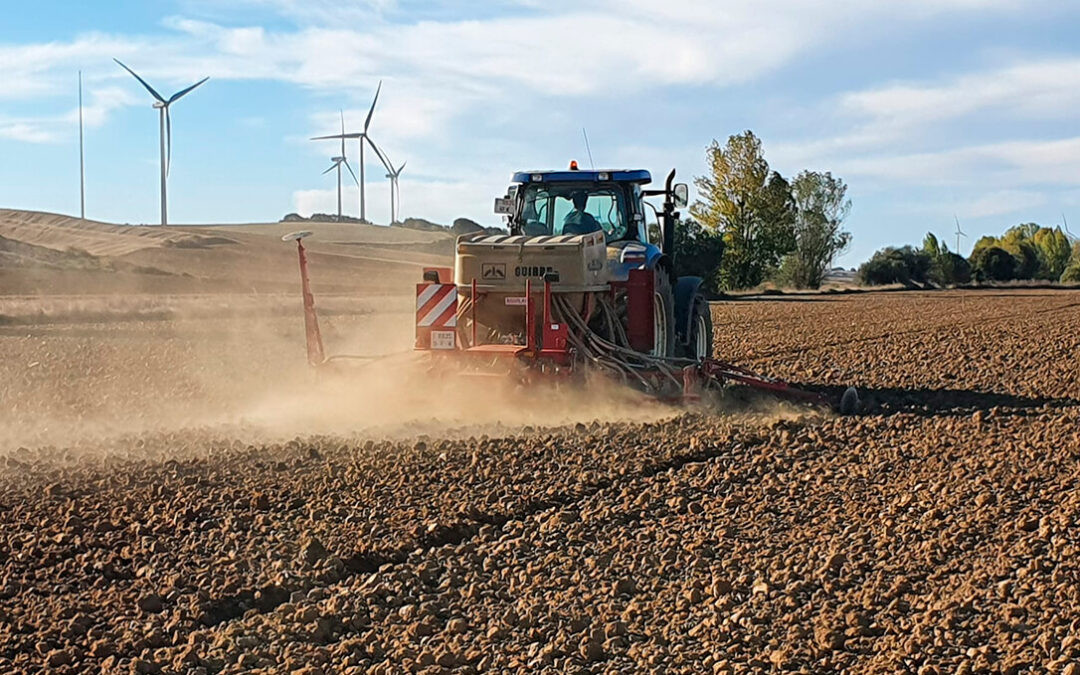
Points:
[(639, 310), (472, 311), (530, 328), (436, 310), (553, 336)]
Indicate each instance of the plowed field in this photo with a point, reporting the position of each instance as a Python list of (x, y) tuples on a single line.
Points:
[(173, 499)]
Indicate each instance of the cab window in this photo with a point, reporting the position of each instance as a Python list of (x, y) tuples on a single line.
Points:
[(573, 208)]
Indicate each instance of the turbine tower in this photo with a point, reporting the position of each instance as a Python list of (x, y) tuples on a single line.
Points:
[(165, 126), (364, 138), (82, 174), (959, 232), (392, 174), (337, 162)]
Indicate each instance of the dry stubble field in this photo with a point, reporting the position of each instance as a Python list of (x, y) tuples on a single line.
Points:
[(176, 495)]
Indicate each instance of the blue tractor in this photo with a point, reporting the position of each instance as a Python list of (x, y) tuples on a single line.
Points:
[(585, 280), (603, 250)]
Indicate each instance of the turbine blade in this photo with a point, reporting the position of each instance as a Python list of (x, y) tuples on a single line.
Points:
[(342, 132), (382, 158), (346, 163), (332, 136), (332, 166), (185, 91), (400, 169), (141, 81), (367, 122), (168, 140)]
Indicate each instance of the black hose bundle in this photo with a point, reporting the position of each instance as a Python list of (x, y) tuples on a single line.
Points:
[(617, 359)]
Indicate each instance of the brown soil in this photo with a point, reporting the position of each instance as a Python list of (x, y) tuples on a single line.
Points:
[(178, 495)]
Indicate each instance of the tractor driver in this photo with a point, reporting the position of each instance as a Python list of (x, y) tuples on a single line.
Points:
[(579, 221)]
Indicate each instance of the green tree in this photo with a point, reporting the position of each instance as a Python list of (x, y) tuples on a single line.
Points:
[(993, 263), (1053, 248), (1072, 271), (890, 265), (700, 252), (983, 242), (1020, 241), (950, 268), (821, 205), (946, 267), (932, 247), (749, 205), (1020, 232)]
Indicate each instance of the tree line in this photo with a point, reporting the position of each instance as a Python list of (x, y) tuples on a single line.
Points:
[(1026, 252), (751, 225)]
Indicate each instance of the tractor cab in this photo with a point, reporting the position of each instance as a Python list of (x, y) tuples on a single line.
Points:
[(573, 202), (557, 205)]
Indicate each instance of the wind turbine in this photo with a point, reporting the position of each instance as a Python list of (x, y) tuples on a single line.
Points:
[(364, 138), (337, 162), (588, 150), (165, 124), (1068, 234), (959, 232), (395, 192), (392, 174)]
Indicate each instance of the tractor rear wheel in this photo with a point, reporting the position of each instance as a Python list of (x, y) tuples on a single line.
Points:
[(663, 315), (700, 343)]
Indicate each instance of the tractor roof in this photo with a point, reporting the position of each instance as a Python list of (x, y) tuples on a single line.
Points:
[(639, 176)]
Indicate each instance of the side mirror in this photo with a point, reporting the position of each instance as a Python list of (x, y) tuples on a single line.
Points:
[(504, 206), (680, 195)]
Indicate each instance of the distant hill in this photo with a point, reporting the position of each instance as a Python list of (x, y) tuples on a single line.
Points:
[(420, 224), (48, 253), (66, 233), (460, 226)]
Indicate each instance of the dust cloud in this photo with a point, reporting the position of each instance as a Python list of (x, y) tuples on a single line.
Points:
[(85, 373)]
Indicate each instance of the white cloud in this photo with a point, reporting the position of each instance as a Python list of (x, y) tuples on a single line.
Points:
[(301, 11), (98, 103), (402, 113), (883, 123), (437, 201), (981, 136), (36, 70), (26, 132), (1043, 88), (445, 68), (1012, 163), (1001, 202)]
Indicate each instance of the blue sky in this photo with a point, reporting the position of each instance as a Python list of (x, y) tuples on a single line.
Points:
[(927, 108)]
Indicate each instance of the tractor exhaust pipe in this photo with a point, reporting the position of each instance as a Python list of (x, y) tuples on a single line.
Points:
[(669, 218)]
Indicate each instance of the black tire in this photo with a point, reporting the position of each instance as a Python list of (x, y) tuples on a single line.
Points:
[(849, 402), (699, 343), (664, 295)]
